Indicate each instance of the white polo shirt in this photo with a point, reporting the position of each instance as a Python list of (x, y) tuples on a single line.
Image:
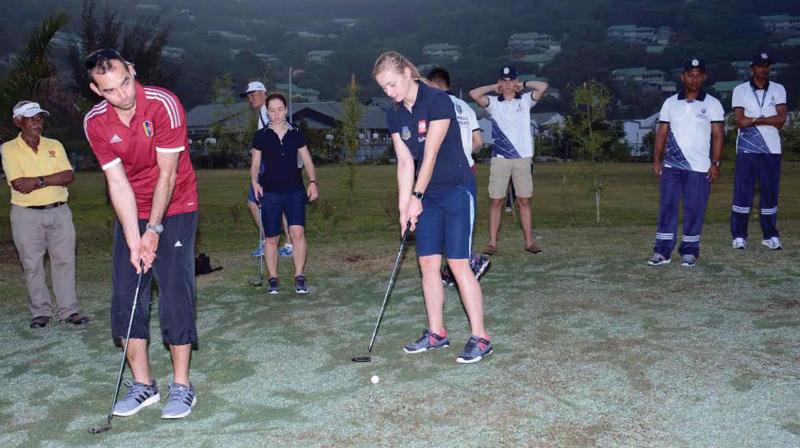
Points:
[(263, 118), (467, 122), (758, 103), (689, 140), (511, 126)]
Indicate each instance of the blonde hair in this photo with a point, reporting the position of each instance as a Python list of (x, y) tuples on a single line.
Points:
[(392, 60)]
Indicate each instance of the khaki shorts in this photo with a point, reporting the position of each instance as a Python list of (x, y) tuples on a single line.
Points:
[(519, 170)]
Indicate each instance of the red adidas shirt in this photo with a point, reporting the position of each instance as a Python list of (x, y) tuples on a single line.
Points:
[(159, 125)]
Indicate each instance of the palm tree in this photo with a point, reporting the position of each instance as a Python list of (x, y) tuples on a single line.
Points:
[(31, 68)]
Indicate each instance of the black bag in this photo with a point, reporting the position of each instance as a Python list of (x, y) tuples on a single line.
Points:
[(202, 265)]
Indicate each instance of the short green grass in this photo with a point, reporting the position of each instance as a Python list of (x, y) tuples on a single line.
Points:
[(593, 347)]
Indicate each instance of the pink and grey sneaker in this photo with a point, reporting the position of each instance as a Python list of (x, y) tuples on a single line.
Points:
[(428, 341), (476, 349)]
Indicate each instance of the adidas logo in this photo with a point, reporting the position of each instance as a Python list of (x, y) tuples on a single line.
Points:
[(178, 244), (115, 139)]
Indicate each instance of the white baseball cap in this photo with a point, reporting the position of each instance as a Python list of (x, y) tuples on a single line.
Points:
[(27, 109), (254, 86)]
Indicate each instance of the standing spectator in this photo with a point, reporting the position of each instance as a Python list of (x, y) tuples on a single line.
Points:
[(760, 108), (278, 184), (690, 128), (256, 95), (139, 136), (512, 153), (472, 141), (38, 171)]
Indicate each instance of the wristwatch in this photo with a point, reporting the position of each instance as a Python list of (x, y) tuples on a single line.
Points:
[(42, 182), (155, 228), (716, 163), (418, 195)]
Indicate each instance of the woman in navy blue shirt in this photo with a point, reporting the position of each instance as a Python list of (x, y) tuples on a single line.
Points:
[(438, 202), (278, 184)]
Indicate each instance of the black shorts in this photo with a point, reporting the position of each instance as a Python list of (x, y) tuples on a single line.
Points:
[(174, 272)]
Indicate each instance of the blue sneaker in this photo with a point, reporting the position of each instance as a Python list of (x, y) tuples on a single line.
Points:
[(138, 396), (180, 402), (286, 250), (428, 341), (300, 285), (475, 350), (273, 285), (258, 251)]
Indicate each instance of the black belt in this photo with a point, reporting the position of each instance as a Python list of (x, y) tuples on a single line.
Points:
[(46, 207)]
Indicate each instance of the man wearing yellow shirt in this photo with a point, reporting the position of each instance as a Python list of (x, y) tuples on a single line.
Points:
[(38, 172)]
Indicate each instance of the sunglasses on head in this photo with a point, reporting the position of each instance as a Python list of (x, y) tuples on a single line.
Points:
[(98, 56)]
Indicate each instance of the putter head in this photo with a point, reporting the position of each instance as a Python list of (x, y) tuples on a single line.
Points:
[(361, 359), (256, 282), (100, 429)]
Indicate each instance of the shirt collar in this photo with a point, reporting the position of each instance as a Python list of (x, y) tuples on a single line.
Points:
[(755, 87), (701, 96), (503, 98)]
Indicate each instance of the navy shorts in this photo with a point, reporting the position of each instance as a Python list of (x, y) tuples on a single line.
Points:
[(273, 205), (251, 195), (173, 269), (446, 223)]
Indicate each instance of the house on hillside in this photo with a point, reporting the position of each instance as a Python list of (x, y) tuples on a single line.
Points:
[(442, 51), (642, 35), (230, 37), (781, 24), (533, 41), (299, 93), (318, 56), (635, 132)]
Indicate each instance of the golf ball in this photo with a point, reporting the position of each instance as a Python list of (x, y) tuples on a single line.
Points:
[(375, 379)]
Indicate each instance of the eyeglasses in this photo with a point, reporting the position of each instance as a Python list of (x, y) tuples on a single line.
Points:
[(104, 54)]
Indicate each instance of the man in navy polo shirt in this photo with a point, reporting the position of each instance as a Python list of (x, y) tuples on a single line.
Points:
[(760, 108), (512, 153), (690, 127)]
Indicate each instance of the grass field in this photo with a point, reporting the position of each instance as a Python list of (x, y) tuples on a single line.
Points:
[(593, 347)]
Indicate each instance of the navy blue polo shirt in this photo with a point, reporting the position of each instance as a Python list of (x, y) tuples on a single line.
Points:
[(451, 168), (279, 172)]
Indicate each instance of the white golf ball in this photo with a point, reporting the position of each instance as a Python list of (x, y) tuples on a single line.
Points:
[(375, 379)]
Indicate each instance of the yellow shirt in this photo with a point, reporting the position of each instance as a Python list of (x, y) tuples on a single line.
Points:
[(19, 160)]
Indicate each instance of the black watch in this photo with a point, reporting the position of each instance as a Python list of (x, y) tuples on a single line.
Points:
[(716, 163), (418, 195), (42, 182)]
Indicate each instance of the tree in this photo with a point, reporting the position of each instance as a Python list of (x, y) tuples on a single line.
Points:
[(141, 43), (590, 133), (32, 74), (348, 132)]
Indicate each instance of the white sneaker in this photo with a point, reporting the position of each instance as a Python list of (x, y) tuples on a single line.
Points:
[(657, 260), (739, 243), (773, 243)]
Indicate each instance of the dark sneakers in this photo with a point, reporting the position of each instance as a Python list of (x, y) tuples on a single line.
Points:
[(428, 341), (273, 285), (300, 285), (76, 319), (476, 349), (40, 321)]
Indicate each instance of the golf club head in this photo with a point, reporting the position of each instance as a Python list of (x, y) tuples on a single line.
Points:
[(361, 359), (256, 282), (100, 429)]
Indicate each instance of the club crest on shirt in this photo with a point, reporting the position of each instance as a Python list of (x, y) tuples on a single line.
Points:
[(52, 154), (405, 133), (148, 128), (422, 127)]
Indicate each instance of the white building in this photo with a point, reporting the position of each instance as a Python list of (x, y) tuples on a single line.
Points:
[(442, 51), (781, 24), (635, 131), (318, 56), (525, 42)]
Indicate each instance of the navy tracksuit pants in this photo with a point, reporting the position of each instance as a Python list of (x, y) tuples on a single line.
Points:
[(694, 188), (766, 169)]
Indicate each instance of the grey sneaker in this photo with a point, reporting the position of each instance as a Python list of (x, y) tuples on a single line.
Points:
[(773, 243), (688, 260), (138, 396), (180, 402), (657, 260), (739, 243)]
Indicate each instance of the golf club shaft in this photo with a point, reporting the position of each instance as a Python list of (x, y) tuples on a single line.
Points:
[(125, 343), (391, 283)]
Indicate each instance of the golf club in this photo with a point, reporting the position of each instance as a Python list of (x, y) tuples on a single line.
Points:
[(260, 280), (386, 296), (107, 425)]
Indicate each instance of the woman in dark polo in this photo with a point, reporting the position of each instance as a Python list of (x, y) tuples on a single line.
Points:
[(280, 188)]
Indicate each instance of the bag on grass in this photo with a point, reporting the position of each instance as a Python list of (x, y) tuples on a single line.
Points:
[(202, 265)]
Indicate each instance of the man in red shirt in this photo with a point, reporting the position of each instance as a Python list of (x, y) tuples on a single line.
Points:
[(139, 137)]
